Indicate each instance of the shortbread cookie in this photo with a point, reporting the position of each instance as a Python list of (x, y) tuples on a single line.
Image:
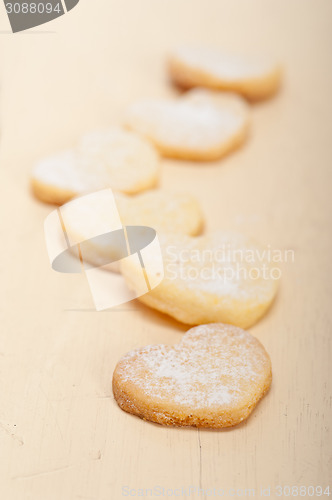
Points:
[(213, 378), (113, 158), (200, 125), (161, 210), (222, 277), (253, 77)]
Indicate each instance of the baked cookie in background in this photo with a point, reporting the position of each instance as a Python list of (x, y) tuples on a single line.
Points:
[(255, 77), (164, 211), (221, 277), (200, 125), (114, 158), (213, 378)]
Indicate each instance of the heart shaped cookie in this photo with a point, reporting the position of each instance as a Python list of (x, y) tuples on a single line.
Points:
[(161, 210), (221, 277), (113, 158), (200, 125), (255, 77), (213, 378)]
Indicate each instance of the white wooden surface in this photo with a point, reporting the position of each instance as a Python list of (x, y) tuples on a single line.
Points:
[(62, 436)]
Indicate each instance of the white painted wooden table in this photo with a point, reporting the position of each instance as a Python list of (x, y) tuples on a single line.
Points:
[(62, 436)]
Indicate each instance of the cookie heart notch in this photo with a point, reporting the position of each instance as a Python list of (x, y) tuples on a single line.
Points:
[(111, 158), (213, 378), (201, 125)]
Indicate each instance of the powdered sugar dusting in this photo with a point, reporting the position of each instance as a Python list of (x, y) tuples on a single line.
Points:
[(217, 264), (113, 158), (214, 365), (199, 120)]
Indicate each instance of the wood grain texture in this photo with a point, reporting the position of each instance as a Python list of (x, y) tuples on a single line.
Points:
[(62, 436)]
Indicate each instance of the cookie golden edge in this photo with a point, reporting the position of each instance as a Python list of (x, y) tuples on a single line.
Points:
[(240, 317), (54, 195), (253, 89), (50, 194), (204, 418), (225, 418), (203, 155), (191, 310), (198, 223)]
